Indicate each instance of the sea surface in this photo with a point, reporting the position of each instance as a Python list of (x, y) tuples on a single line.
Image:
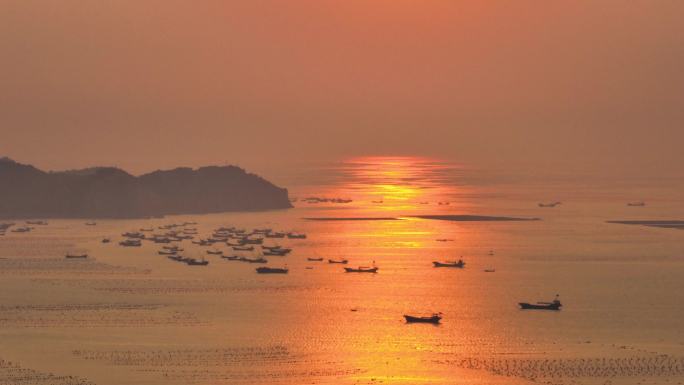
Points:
[(132, 316)]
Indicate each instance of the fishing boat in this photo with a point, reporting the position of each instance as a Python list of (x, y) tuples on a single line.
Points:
[(271, 270), (106, 240), (552, 204), (133, 234), (76, 256), (253, 260), (296, 236), (243, 248), (230, 257), (636, 204), (277, 252), (361, 269), (555, 305), (130, 243), (340, 261), (491, 270), (314, 259), (266, 247), (275, 235), (215, 252), (167, 252), (172, 248), (433, 319), (458, 264), (195, 262)]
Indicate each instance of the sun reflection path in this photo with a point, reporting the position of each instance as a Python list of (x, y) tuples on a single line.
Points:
[(398, 183)]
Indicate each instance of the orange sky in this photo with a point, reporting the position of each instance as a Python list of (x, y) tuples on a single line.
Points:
[(270, 84)]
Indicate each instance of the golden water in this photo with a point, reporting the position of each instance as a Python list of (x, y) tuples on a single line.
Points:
[(131, 316)]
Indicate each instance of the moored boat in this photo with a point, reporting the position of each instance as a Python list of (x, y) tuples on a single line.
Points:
[(361, 269), (555, 305), (196, 262), (131, 243), (433, 319), (314, 259), (459, 264), (75, 256), (636, 204), (253, 260), (271, 270), (296, 236), (340, 261)]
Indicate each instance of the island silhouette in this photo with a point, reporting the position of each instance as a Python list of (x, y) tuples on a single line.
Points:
[(109, 192)]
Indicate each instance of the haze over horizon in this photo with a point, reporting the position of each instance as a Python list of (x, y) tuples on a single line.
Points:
[(271, 85)]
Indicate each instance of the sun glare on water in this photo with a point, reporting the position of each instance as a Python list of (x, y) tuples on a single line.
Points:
[(397, 184)]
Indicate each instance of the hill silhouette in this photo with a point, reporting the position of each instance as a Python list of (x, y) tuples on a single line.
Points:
[(108, 192)]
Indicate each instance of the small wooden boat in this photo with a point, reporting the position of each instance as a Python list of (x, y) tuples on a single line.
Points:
[(230, 257), (361, 269), (243, 248), (106, 240), (214, 252), (314, 259), (275, 235), (636, 204), (489, 270), (458, 264), (195, 262), (296, 236), (340, 261), (433, 319), (266, 247), (254, 260), (130, 243), (276, 252), (167, 252), (271, 270), (75, 256), (555, 305)]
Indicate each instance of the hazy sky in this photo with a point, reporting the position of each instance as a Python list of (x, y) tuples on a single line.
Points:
[(270, 84)]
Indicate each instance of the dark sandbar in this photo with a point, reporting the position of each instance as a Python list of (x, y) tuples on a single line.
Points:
[(668, 224), (472, 218), (353, 219)]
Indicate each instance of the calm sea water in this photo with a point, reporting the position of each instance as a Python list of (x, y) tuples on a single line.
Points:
[(131, 316)]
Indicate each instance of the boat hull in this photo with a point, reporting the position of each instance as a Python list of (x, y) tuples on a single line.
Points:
[(442, 264), (532, 306), (435, 319)]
